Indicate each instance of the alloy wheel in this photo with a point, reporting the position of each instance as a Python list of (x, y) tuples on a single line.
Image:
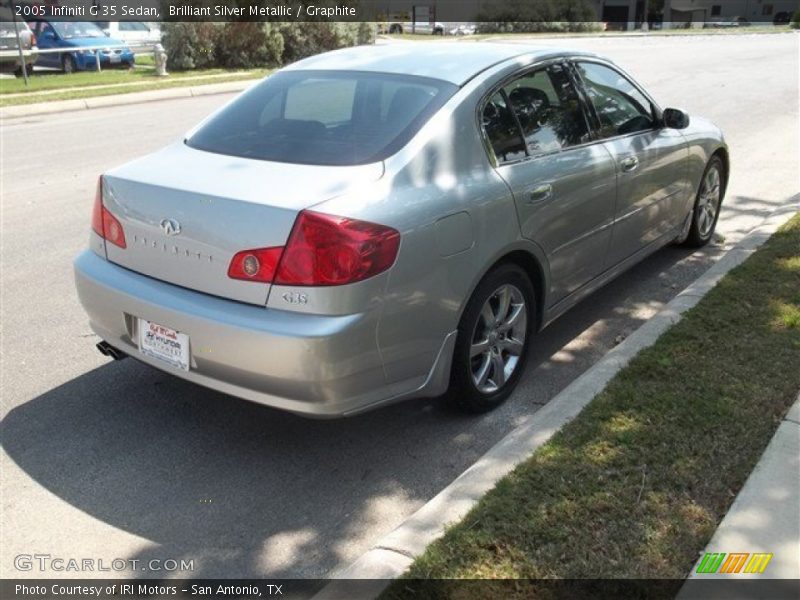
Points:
[(708, 202), (498, 339)]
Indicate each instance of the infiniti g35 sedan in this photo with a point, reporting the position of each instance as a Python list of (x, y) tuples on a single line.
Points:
[(374, 224)]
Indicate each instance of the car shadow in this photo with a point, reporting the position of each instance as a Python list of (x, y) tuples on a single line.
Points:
[(247, 491)]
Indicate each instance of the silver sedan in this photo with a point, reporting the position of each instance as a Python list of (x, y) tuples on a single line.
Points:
[(374, 224)]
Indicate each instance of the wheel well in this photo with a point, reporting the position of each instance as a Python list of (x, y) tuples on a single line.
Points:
[(531, 266), (723, 155)]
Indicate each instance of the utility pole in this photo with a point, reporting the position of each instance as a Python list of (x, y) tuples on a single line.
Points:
[(645, 25)]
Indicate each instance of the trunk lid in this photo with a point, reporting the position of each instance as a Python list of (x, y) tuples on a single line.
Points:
[(186, 213)]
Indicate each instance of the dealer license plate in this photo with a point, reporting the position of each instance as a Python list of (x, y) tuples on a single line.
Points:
[(115, 58), (165, 344)]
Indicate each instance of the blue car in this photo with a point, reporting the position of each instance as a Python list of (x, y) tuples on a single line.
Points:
[(82, 38)]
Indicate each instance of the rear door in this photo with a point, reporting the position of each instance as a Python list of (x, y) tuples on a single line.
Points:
[(563, 186), (650, 161), (46, 39)]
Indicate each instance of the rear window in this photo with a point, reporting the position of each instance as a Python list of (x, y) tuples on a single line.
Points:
[(324, 117)]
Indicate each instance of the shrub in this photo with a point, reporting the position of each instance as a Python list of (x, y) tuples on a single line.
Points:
[(244, 45), (190, 45), (306, 39), (795, 24), (521, 16)]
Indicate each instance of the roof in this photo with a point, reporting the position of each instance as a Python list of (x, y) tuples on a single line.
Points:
[(456, 62)]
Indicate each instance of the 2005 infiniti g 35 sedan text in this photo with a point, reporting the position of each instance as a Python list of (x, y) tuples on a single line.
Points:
[(397, 221)]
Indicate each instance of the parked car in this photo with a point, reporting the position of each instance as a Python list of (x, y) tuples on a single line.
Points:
[(8, 42), (385, 222), (463, 29), (782, 18), (132, 32), (718, 22), (80, 39), (435, 28)]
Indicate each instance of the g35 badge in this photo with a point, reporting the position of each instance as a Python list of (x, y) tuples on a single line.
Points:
[(295, 297)]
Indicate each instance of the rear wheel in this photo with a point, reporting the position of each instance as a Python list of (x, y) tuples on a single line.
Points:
[(707, 204), (493, 340), (68, 64)]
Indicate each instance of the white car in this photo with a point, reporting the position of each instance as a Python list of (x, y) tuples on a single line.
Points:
[(132, 32), (436, 28)]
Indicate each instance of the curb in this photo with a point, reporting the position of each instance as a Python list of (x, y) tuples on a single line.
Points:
[(762, 518), (393, 554), (41, 108)]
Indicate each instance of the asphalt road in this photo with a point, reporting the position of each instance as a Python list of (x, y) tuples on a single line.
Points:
[(107, 460)]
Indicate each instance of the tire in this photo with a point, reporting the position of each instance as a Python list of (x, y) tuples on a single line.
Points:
[(477, 384), (68, 64), (707, 204)]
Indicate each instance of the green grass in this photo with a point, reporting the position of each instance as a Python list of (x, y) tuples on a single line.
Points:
[(635, 486), (58, 86)]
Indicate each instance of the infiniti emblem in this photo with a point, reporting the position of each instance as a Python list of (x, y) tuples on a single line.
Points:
[(170, 226)]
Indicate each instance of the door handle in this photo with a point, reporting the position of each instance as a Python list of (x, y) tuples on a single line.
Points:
[(629, 164), (541, 193)]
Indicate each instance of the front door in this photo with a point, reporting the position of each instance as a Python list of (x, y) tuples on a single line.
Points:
[(650, 160), (564, 189)]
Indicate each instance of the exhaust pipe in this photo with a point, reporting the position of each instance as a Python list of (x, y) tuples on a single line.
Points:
[(107, 349)]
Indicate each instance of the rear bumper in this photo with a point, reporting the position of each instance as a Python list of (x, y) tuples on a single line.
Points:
[(310, 364)]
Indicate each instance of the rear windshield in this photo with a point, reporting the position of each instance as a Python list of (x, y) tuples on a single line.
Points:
[(324, 117)]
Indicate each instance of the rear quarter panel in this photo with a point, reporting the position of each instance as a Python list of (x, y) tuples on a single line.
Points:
[(456, 217)]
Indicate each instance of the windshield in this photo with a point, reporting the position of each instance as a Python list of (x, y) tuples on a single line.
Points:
[(66, 30), (324, 117)]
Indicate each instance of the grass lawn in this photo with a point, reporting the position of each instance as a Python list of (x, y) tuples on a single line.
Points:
[(635, 486), (47, 86)]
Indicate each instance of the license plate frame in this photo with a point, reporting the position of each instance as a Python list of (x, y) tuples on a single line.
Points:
[(164, 344)]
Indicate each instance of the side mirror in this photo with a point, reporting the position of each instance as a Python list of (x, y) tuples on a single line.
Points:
[(675, 119)]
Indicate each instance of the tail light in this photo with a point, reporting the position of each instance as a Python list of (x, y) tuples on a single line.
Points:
[(255, 265), (104, 223), (322, 250)]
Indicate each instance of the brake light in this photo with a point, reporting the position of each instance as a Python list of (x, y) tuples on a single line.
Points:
[(327, 250), (104, 223), (255, 265), (322, 250)]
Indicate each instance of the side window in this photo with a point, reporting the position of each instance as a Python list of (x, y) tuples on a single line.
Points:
[(548, 110), (620, 107), (502, 130)]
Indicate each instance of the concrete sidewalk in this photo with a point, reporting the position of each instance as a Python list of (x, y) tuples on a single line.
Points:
[(765, 517)]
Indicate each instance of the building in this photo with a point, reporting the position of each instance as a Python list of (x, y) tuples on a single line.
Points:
[(630, 14)]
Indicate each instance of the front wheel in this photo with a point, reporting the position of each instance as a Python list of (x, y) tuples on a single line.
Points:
[(68, 64), (707, 204), (493, 340)]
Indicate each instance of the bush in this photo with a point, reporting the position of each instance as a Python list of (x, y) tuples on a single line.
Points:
[(795, 24), (522, 16), (306, 39), (190, 45), (245, 45)]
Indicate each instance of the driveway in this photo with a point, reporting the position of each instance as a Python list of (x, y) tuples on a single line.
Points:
[(108, 460)]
